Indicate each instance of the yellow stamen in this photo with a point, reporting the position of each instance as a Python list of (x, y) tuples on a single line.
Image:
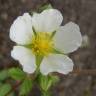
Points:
[(42, 44)]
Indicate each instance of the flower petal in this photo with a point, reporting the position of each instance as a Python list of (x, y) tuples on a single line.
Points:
[(56, 63), (68, 38), (25, 57), (21, 29), (47, 21)]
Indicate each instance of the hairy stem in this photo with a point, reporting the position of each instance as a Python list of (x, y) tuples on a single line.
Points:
[(14, 88)]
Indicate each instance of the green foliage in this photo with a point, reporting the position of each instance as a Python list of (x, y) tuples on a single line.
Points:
[(0, 84), (4, 89), (16, 73), (11, 94), (26, 82), (40, 9), (47, 81), (54, 79), (47, 6), (26, 87), (46, 93), (3, 75)]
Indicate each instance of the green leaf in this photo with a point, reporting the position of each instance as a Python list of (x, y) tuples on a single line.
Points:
[(26, 87), (16, 73), (0, 84), (5, 89), (54, 79), (11, 94), (44, 7), (47, 81), (3, 75), (46, 93)]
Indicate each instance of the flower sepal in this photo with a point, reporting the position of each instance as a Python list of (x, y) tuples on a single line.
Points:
[(44, 7), (46, 82)]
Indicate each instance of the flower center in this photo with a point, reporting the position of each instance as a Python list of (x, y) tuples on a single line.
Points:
[(42, 43)]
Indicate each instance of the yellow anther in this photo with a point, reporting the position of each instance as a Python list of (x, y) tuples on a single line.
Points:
[(42, 44)]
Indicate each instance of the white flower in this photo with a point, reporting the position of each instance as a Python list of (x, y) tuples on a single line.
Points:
[(39, 41)]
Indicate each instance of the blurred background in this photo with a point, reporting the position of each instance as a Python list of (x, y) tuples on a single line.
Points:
[(82, 12)]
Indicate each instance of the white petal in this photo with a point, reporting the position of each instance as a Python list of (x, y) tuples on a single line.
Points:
[(68, 38), (56, 63), (21, 29), (47, 21), (25, 57)]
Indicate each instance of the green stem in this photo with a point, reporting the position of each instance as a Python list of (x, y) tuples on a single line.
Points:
[(37, 72), (45, 93)]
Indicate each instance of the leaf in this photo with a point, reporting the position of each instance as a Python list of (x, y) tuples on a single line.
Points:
[(3, 75), (47, 81), (54, 79), (5, 89), (16, 73), (26, 87), (11, 94), (44, 7), (0, 84), (46, 93)]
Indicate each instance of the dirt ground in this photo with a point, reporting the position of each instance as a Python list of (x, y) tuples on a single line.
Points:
[(82, 12)]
